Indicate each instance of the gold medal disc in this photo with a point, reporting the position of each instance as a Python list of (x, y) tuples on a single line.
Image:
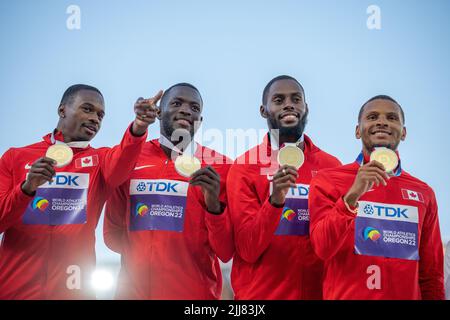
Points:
[(61, 153), (291, 155), (385, 156), (187, 165)]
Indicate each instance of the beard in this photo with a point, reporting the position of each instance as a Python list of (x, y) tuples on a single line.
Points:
[(294, 132), (179, 136)]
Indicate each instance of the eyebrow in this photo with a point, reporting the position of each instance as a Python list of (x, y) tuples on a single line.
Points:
[(184, 100)]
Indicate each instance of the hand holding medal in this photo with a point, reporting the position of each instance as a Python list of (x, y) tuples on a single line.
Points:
[(383, 162), (290, 158), (41, 171)]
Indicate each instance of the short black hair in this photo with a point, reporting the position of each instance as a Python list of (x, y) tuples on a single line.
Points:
[(72, 91), (181, 84), (271, 82), (381, 97)]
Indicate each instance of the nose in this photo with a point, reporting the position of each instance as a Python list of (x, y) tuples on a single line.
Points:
[(381, 122), (95, 119), (185, 110), (289, 105)]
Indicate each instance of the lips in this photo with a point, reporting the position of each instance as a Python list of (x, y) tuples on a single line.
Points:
[(380, 132), (183, 122), (289, 116), (92, 129)]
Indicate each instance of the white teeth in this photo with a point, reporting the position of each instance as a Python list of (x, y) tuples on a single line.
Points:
[(289, 117)]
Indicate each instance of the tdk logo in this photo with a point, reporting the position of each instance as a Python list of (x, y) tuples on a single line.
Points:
[(385, 211), (157, 186), (300, 191), (162, 187), (63, 180)]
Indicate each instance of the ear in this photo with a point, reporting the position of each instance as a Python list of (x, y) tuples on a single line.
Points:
[(358, 132), (62, 111), (403, 136), (263, 112), (158, 113)]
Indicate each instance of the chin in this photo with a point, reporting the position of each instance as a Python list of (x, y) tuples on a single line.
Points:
[(85, 138), (289, 126), (379, 144)]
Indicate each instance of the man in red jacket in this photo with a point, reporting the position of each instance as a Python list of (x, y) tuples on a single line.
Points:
[(376, 227), (171, 229), (269, 204), (48, 215)]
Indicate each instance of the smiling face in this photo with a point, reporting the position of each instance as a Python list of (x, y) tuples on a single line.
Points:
[(286, 108), (81, 117), (180, 109), (381, 125)]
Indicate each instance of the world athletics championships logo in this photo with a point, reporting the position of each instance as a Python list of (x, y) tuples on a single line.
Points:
[(371, 233), (141, 210), (39, 203), (288, 214)]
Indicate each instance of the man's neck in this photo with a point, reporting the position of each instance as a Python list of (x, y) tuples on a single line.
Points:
[(274, 136), (66, 137)]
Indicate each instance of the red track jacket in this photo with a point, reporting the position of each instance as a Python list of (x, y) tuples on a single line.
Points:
[(391, 250), (274, 258), (168, 253), (48, 250)]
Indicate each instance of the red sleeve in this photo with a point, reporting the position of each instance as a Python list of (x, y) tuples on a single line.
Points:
[(120, 160), (431, 263), (114, 224), (254, 223), (13, 202), (220, 233), (330, 220)]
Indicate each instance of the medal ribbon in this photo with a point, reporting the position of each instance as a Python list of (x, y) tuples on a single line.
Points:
[(190, 150), (73, 144)]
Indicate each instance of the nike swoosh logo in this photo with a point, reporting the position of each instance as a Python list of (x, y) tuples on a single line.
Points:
[(142, 167), (27, 167)]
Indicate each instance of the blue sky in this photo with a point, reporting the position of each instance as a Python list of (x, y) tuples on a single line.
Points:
[(230, 50)]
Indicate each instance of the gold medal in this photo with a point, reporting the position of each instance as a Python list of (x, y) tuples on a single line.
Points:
[(186, 165), (61, 153), (386, 157), (291, 155)]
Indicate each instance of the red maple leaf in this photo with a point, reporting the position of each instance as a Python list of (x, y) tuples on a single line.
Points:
[(86, 160)]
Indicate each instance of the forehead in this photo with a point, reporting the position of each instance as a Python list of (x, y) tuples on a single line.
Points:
[(186, 94), (90, 97), (285, 86), (382, 106)]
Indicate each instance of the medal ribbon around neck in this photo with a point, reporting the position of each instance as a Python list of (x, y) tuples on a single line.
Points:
[(73, 144)]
